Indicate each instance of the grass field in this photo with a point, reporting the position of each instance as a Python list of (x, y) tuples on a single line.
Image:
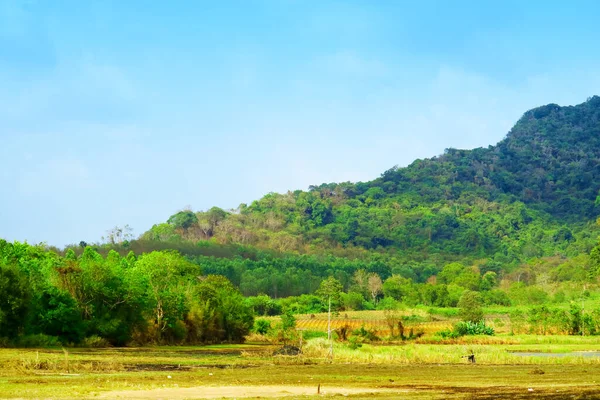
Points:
[(428, 367), (413, 371)]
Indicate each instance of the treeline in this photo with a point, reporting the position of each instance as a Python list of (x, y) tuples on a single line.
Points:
[(539, 281), (367, 291), (158, 297), (383, 285), (544, 320), (164, 297), (296, 277)]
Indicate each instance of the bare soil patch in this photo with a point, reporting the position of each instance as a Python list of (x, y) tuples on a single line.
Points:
[(208, 392), (179, 367)]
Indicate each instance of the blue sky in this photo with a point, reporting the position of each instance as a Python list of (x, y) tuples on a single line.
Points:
[(124, 112)]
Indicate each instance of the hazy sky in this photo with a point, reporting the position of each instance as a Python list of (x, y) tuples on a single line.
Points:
[(124, 112)]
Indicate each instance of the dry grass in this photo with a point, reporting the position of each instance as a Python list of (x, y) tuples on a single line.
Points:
[(418, 370)]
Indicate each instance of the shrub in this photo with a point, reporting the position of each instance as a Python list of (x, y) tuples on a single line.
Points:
[(466, 328), (352, 301), (447, 334), (39, 340), (444, 312), (412, 334), (343, 331), (318, 347), (285, 331), (389, 303), (366, 334), (94, 341), (308, 335), (473, 328), (354, 343), (262, 326)]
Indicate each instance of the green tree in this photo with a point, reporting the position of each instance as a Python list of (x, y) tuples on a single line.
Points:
[(330, 288), (164, 278), (470, 306), (217, 311), (287, 327), (56, 313), (489, 280), (14, 301), (210, 220), (183, 219)]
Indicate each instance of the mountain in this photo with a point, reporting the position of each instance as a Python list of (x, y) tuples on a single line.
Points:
[(534, 194)]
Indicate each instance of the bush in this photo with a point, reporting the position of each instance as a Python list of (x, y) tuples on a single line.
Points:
[(413, 318), (388, 303), (262, 326), (352, 301), (467, 328), (39, 340), (318, 347), (263, 305), (444, 312), (176, 333), (56, 314), (354, 343), (94, 341), (285, 331), (303, 304), (496, 296), (308, 335), (412, 334), (473, 328), (447, 334), (366, 334)]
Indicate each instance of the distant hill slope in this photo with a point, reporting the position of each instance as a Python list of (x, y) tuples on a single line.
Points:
[(550, 159), (533, 194)]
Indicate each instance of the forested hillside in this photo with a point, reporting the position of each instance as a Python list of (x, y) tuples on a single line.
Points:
[(534, 194), (524, 209)]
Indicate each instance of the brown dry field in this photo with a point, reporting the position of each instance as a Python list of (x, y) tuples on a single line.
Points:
[(249, 371)]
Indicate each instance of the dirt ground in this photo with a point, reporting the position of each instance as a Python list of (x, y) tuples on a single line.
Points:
[(237, 392)]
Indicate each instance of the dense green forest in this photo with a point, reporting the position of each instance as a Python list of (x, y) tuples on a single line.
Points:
[(514, 223)]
